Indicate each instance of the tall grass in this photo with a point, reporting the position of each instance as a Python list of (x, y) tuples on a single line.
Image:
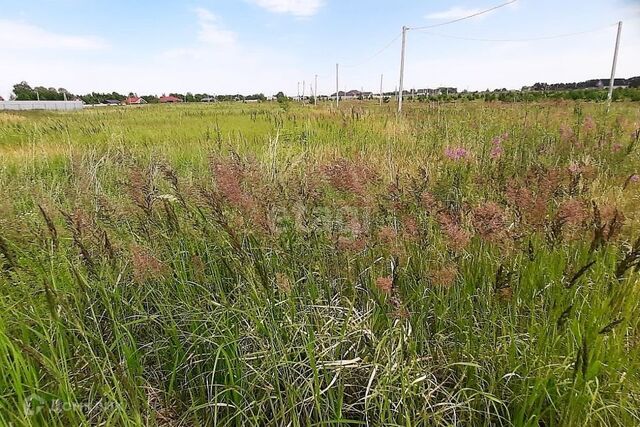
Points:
[(469, 264)]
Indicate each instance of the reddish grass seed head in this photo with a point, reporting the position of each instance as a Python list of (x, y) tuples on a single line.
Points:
[(429, 202), (566, 134), (146, 266), (445, 276), (387, 235), (589, 124), (489, 221), (456, 237), (384, 284), (613, 219), (349, 177), (228, 177), (573, 212), (346, 244), (410, 227), (532, 208), (574, 168), (283, 283)]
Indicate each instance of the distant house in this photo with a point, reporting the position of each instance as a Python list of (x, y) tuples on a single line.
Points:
[(353, 94), (208, 99), (169, 99), (134, 100), (111, 102)]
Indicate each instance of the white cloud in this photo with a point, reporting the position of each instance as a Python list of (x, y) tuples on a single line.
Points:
[(455, 12), (211, 35), (216, 61), (20, 35), (299, 8), (211, 31)]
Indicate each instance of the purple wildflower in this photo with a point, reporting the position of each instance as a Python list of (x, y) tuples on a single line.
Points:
[(456, 153), (496, 151), (574, 168), (589, 124)]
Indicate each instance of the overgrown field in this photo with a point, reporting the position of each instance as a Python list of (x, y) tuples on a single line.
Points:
[(466, 264)]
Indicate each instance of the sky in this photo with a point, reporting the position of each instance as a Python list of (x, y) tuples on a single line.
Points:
[(266, 46)]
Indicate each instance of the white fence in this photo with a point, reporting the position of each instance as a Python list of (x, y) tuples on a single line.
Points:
[(41, 105)]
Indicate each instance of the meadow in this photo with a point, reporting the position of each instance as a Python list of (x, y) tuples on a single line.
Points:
[(188, 265)]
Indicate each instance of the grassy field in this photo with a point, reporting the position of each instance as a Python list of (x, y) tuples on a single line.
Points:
[(467, 264)]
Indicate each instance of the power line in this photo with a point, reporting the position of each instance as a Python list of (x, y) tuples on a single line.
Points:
[(551, 37), (377, 53), (473, 15), (404, 41)]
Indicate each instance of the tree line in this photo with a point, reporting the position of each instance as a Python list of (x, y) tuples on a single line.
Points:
[(24, 92), (540, 91), (504, 95)]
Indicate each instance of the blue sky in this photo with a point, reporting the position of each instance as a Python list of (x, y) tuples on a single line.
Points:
[(247, 46)]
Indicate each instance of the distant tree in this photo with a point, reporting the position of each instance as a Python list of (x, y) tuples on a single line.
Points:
[(255, 97), (100, 98), (24, 92), (47, 94), (283, 101)]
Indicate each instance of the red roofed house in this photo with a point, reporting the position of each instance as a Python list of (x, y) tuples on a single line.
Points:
[(134, 100), (169, 99)]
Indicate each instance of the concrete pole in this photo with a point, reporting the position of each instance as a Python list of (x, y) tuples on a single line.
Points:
[(337, 86), (613, 66), (401, 89)]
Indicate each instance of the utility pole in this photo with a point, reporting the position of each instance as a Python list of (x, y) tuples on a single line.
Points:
[(315, 91), (400, 90), (298, 91), (304, 85), (337, 86), (381, 77), (613, 67)]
